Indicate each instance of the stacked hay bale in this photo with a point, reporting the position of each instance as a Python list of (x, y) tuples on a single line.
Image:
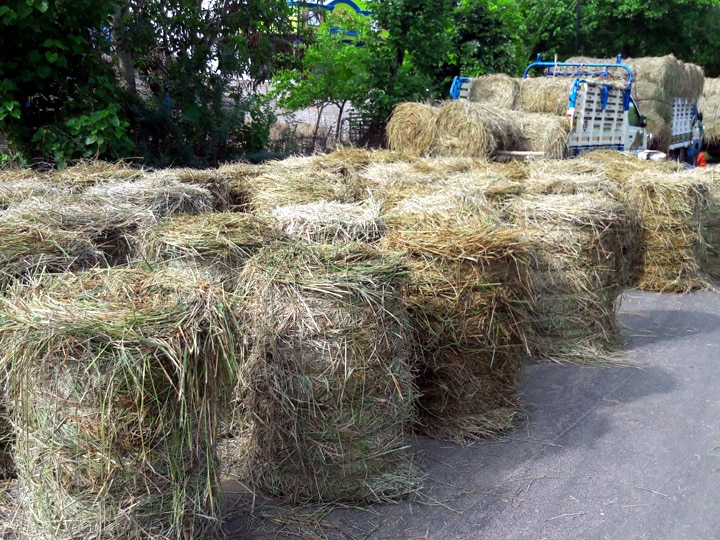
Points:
[(547, 95), (580, 267), (709, 105), (673, 208), (327, 391), (496, 89), (219, 242), (117, 376), (656, 82), (467, 300), (411, 129), (330, 222)]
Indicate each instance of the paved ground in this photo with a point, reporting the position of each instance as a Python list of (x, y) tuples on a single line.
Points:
[(607, 453)]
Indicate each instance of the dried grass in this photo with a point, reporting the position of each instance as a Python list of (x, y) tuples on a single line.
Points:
[(329, 222), (467, 300), (218, 241), (411, 128), (327, 391), (671, 208), (118, 376), (548, 95), (709, 105), (497, 90), (86, 173), (585, 249)]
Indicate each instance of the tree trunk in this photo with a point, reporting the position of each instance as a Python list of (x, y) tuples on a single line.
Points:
[(338, 126), (124, 55), (317, 124)]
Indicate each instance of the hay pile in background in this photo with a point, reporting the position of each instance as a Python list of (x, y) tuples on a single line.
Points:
[(580, 267), (86, 173), (671, 207), (327, 390), (467, 300), (545, 95), (709, 105), (497, 89), (411, 128), (656, 81), (117, 375)]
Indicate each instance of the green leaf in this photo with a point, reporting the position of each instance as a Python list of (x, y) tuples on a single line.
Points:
[(91, 139), (51, 56)]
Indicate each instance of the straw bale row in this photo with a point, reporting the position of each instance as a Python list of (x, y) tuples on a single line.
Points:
[(475, 130)]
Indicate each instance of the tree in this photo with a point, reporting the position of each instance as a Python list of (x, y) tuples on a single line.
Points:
[(485, 39), (57, 93), (114, 78), (334, 69)]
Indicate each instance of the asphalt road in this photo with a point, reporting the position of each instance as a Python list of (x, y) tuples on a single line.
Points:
[(607, 452)]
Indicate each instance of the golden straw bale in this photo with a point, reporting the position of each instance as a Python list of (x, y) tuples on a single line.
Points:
[(326, 391), (709, 214), (462, 130), (709, 105), (87, 173), (411, 128), (545, 94), (497, 89), (466, 129), (671, 209), (19, 184), (585, 248), (467, 300), (218, 241), (331, 222), (118, 376), (543, 133)]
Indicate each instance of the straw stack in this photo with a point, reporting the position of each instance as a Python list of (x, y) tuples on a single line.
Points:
[(497, 90), (709, 105), (671, 207), (467, 301), (582, 247), (220, 242), (547, 95), (327, 392), (329, 222), (118, 375), (467, 129), (411, 128)]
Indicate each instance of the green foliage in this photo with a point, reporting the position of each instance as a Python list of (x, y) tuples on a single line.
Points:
[(54, 79), (334, 67)]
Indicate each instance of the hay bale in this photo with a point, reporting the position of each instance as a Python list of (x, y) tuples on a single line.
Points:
[(466, 129), (118, 376), (545, 133), (708, 210), (327, 389), (671, 209), (86, 173), (547, 95), (330, 222), (106, 222), (293, 181), (18, 185), (467, 299), (218, 241), (411, 128), (709, 105), (160, 192), (584, 251), (497, 89), (34, 248), (210, 179)]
